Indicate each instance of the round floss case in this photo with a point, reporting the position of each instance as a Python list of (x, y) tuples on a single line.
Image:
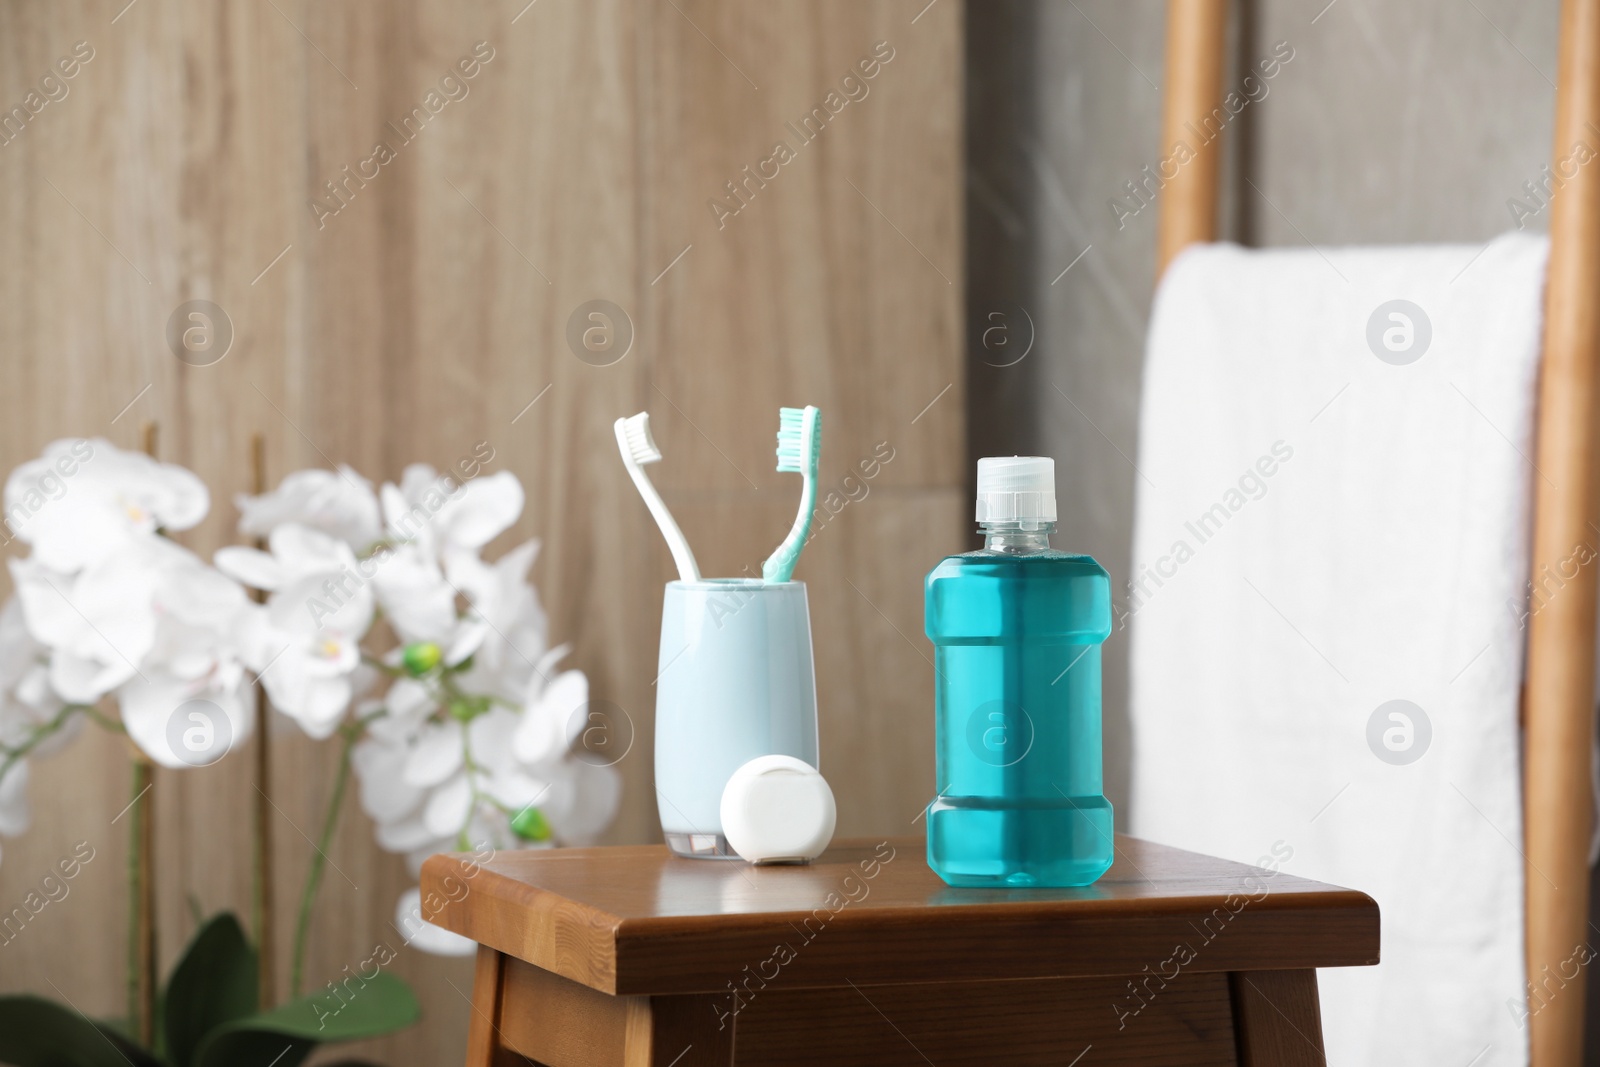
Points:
[(777, 809)]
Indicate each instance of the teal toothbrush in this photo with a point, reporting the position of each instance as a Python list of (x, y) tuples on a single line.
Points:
[(799, 449)]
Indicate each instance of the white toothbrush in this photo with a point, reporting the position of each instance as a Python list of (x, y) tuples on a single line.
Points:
[(639, 448)]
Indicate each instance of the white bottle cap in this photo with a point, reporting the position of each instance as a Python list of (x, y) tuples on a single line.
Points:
[(1017, 489), (777, 809)]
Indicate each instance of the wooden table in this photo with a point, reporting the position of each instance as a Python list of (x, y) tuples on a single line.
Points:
[(631, 956)]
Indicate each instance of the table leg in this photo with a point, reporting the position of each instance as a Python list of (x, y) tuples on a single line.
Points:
[(678, 1031), (483, 1030), (1276, 1020)]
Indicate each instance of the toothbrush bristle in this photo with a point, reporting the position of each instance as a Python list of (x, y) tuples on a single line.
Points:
[(798, 438), (640, 443)]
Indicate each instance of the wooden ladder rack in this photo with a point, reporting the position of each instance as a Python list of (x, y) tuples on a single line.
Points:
[(1558, 698)]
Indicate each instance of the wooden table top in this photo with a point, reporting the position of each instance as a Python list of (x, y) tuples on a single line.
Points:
[(638, 920)]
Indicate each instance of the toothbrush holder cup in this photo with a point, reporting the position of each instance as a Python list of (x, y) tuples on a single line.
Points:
[(735, 681)]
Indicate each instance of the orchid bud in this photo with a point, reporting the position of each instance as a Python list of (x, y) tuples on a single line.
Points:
[(530, 825), (420, 657)]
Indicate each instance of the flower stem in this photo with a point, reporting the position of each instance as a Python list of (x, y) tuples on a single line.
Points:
[(463, 842), (141, 908), (42, 733), (302, 932), (263, 877), (384, 668), (133, 907), (105, 722), (142, 918)]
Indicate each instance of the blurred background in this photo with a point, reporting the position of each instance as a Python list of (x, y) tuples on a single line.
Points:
[(1392, 123), (205, 152), (942, 267)]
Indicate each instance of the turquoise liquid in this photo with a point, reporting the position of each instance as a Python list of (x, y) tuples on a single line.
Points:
[(1017, 718)]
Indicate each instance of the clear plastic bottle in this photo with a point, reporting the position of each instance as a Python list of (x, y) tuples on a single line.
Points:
[(1017, 629)]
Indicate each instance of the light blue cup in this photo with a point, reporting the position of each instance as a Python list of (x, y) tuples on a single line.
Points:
[(735, 682)]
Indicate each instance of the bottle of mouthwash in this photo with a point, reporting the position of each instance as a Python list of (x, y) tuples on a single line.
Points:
[(1016, 630)]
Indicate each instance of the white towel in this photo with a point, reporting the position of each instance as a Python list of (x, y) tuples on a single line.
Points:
[(1324, 527)]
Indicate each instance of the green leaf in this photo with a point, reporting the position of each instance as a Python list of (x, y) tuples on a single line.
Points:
[(360, 1008), (214, 983), (35, 1032), (132, 1052), (253, 1048)]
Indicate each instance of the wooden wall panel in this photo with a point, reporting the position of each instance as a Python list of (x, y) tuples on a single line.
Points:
[(835, 283), (427, 314)]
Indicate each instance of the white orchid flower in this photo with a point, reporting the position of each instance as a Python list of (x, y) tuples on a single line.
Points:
[(450, 651), (26, 699), (583, 801), (565, 742), (312, 678), (392, 801), (553, 719), (500, 779), (189, 722), (340, 503), (445, 515), (484, 508), (26, 703), (430, 520), (307, 645), (416, 599), (420, 933), (514, 645), (191, 701), (425, 795), (314, 578), (151, 623), (98, 624), (475, 740), (463, 771), (400, 714), (81, 501), (15, 812)]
